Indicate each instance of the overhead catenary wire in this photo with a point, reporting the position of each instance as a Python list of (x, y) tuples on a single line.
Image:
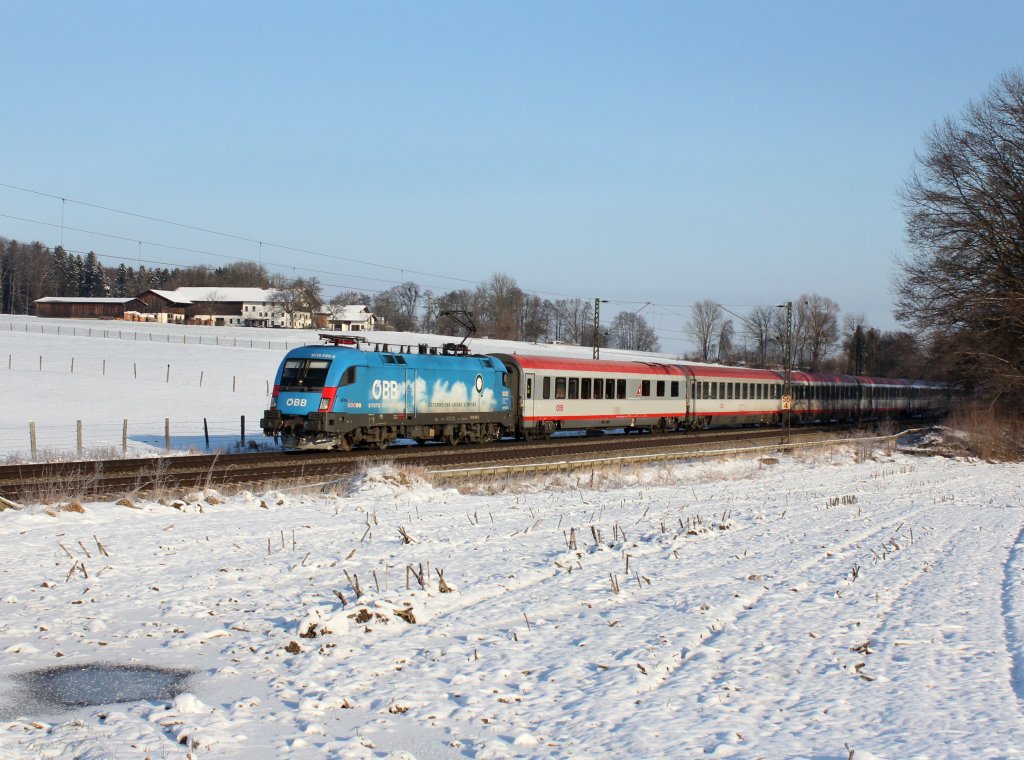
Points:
[(403, 271)]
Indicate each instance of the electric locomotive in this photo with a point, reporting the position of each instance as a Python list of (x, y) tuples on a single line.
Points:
[(337, 397)]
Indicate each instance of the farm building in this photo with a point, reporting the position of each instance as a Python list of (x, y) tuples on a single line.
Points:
[(356, 318), (85, 308)]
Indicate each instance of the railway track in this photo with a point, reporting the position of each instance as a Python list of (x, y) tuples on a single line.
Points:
[(50, 482)]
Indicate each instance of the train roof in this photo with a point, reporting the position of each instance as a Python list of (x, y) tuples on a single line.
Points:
[(741, 373), (598, 366), (394, 358)]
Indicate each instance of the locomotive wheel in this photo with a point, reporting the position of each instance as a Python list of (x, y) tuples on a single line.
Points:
[(344, 443)]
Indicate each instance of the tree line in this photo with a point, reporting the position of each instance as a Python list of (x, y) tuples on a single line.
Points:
[(29, 271), (499, 308)]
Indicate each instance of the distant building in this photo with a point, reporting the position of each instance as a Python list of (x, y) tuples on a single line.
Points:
[(59, 307), (163, 306), (356, 318), (245, 307), (249, 307)]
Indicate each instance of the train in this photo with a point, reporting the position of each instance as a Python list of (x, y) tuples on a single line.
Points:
[(340, 396)]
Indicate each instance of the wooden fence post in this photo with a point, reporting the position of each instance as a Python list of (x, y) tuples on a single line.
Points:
[(124, 439), (243, 431), (32, 438), (79, 435), (167, 433)]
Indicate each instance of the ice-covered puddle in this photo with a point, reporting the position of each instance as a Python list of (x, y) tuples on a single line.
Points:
[(71, 686)]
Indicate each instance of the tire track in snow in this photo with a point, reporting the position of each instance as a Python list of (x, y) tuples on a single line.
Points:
[(1013, 615)]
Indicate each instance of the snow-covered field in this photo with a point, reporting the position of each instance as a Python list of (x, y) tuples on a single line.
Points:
[(744, 608)]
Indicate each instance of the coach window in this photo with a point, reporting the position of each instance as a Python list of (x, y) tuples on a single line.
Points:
[(674, 389), (598, 388), (660, 391), (574, 387), (585, 388), (547, 387), (714, 391), (620, 388), (728, 390), (529, 387), (609, 388), (559, 387), (707, 390), (645, 387)]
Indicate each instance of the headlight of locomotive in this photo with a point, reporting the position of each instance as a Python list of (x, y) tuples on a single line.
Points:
[(325, 404)]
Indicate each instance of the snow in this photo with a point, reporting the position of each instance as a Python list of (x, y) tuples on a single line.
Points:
[(827, 603)]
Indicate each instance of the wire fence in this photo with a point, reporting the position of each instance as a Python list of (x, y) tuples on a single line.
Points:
[(216, 377), (78, 440), (169, 336)]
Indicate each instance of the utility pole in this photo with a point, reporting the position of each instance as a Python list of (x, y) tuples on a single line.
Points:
[(787, 398)]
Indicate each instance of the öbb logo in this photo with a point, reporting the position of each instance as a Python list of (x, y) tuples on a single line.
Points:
[(386, 390), (295, 402)]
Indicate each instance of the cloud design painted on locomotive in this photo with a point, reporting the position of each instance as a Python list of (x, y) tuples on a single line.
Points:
[(390, 397)]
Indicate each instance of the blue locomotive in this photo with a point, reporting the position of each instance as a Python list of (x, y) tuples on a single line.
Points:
[(337, 397)]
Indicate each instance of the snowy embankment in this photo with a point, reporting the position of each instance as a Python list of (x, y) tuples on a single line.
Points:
[(735, 608), (780, 610)]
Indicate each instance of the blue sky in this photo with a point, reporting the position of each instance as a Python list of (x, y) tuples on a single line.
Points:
[(638, 152)]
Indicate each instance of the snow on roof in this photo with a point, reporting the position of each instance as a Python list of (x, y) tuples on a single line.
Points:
[(226, 295), (172, 296), (355, 313), (77, 299)]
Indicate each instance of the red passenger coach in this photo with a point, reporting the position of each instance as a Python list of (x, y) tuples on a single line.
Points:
[(734, 395), (557, 393)]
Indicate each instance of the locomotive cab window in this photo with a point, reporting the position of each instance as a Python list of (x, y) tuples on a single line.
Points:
[(348, 378), (302, 374)]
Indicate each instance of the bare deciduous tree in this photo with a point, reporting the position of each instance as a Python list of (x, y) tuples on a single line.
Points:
[(817, 329), (705, 323), (963, 284), (630, 331)]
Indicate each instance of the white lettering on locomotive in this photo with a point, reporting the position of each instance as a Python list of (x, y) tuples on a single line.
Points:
[(387, 389), (295, 402)]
